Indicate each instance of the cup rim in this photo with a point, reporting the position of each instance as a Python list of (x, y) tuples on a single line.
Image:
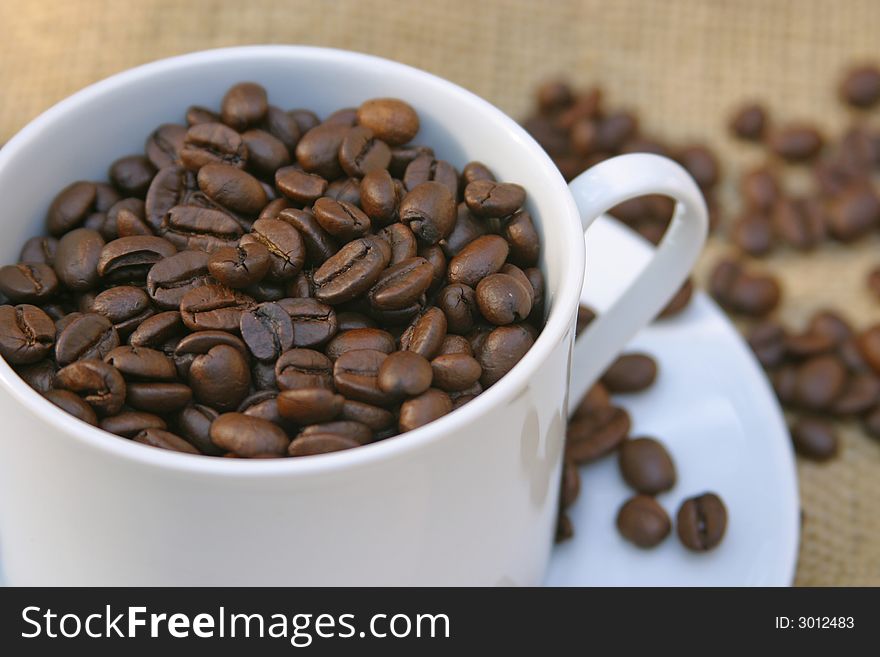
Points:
[(566, 297)]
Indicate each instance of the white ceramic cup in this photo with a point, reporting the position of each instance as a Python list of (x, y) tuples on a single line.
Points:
[(469, 499)]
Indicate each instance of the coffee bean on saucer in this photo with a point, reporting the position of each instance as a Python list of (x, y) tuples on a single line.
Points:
[(630, 373), (646, 465), (643, 522), (592, 436), (701, 522)]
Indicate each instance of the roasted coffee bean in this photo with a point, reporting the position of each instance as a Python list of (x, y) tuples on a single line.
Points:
[(434, 255), (796, 142), (828, 323), (749, 122), (212, 143), (486, 198), (401, 284), (220, 378), (213, 307), (806, 345), (318, 243), (454, 372), (352, 320), (299, 185), (378, 419), (320, 443), (753, 232), (522, 238), (125, 306), (196, 114), (157, 331), (264, 404), (820, 380), (760, 189), (425, 168), (283, 127), (360, 338), (347, 116), (194, 424), (701, 163), (76, 259), (503, 348), (596, 399), (99, 384), (285, 245), (142, 363), (305, 119), (861, 86), (467, 228), (860, 394), (172, 277), (39, 249), (356, 431), (767, 341), (643, 522), (71, 207), (427, 407), (380, 196), (701, 522), (40, 376), (318, 150), (129, 424), (232, 188), (71, 403), (238, 267), (676, 304), (392, 120), (352, 270), (304, 368), (309, 405), (455, 344), (402, 156), (593, 435), (26, 283), (244, 105), (171, 187), (361, 152), (132, 175), (484, 256), (199, 229), (345, 189), (429, 211), (742, 291), (404, 374), (27, 334), (266, 153), (159, 398), (459, 303), (503, 299), (130, 258), (630, 373), (201, 342), (425, 334), (341, 219), (266, 290), (127, 224), (854, 213), (564, 528), (267, 331), (248, 436), (355, 375), (87, 336), (796, 225), (263, 376), (403, 244), (164, 440), (313, 322), (646, 465), (474, 171), (164, 145), (869, 347)]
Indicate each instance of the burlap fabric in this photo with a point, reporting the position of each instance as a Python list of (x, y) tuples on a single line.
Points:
[(682, 64)]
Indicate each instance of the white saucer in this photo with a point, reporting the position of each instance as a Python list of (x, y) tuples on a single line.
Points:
[(714, 409)]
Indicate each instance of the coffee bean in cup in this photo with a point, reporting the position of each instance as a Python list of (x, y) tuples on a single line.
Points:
[(259, 283)]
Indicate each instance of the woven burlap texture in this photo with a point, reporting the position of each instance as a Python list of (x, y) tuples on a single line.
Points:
[(682, 64)]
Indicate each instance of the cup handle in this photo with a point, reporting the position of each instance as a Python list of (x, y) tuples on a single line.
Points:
[(596, 191)]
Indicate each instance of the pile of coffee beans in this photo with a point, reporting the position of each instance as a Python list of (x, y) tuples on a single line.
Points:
[(262, 283), (578, 131), (600, 428)]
